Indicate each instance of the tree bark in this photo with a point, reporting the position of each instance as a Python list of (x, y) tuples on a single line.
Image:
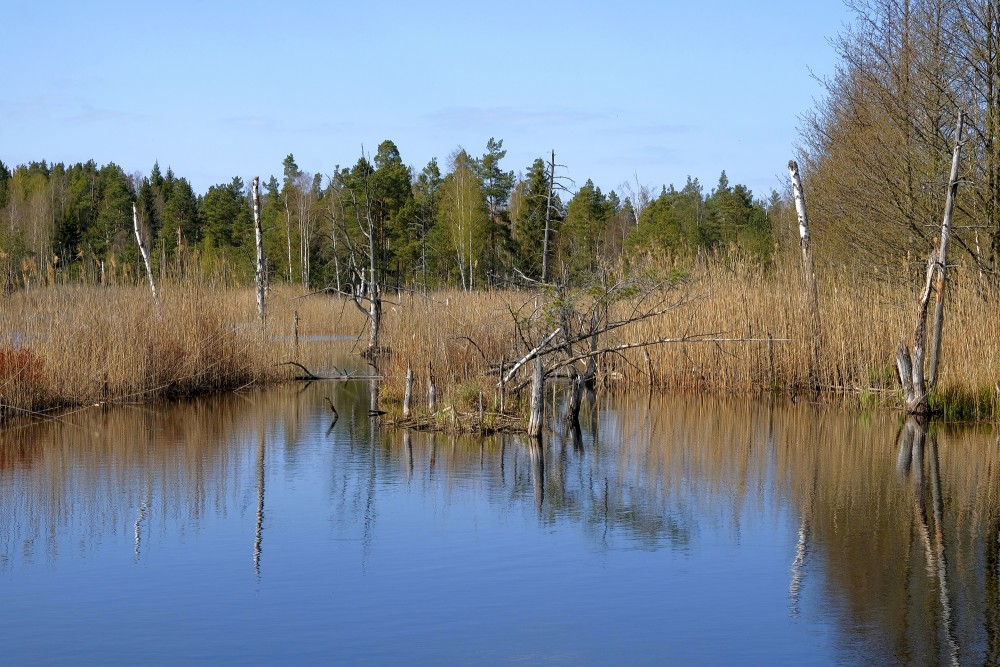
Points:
[(537, 401), (808, 267), (575, 400), (431, 389), (548, 217), (408, 391), (942, 260), (911, 371), (144, 252), (259, 276)]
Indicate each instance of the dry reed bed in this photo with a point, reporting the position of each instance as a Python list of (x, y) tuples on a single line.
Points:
[(465, 335), (69, 346)]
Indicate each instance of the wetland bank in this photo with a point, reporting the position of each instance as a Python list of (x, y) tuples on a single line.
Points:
[(282, 419), (706, 509)]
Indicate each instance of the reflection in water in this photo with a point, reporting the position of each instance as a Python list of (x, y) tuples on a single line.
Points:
[(143, 509), (537, 456), (259, 528), (893, 550), (916, 443)]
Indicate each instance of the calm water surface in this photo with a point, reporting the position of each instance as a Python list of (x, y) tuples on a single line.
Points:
[(243, 529)]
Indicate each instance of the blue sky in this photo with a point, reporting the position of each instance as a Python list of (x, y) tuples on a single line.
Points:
[(624, 92)]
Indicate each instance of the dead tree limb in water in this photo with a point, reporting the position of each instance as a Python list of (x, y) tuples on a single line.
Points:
[(808, 268), (646, 343), (942, 260), (144, 252)]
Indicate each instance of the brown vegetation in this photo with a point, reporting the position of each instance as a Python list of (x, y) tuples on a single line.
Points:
[(466, 335), (745, 328), (70, 345)]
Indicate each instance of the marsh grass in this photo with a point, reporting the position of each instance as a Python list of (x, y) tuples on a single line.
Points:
[(69, 346), (465, 335), (72, 345)]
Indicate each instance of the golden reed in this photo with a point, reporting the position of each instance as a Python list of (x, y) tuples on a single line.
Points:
[(464, 335), (67, 346)]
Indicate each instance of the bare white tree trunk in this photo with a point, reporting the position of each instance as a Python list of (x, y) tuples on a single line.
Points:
[(255, 197), (431, 389), (548, 217), (408, 392), (942, 260), (536, 415), (911, 370), (143, 251), (808, 268), (288, 238)]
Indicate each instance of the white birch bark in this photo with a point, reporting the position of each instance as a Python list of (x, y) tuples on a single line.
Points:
[(144, 252), (259, 276)]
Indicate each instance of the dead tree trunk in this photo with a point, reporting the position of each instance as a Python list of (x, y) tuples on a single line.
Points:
[(408, 391), (144, 252), (259, 276), (575, 400), (548, 218), (911, 370), (537, 401), (942, 260), (431, 389), (808, 269)]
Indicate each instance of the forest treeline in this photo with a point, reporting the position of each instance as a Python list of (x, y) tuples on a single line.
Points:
[(875, 155), (471, 225), (877, 149)]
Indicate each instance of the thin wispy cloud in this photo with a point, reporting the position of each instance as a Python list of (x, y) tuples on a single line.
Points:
[(66, 109), (104, 116), (271, 124), (510, 116), (646, 129)]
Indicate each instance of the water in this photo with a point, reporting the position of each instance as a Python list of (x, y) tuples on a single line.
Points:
[(243, 529)]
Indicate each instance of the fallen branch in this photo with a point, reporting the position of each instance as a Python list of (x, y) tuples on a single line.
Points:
[(310, 376), (528, 357), (616, 349)]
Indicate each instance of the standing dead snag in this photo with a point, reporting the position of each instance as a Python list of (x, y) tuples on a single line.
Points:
[(911, 369), (259, 277), (942, 260), (408, 391), (911, 372), (548, 217), (431, 389), (808, 267), (143, 251), (537, 400)]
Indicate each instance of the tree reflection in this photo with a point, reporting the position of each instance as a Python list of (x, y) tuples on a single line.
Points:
[(917, 444), (892, 531), (258, 538)]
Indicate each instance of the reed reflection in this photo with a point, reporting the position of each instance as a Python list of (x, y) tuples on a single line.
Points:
[(670, 471), (68, 485), (893, 533)]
